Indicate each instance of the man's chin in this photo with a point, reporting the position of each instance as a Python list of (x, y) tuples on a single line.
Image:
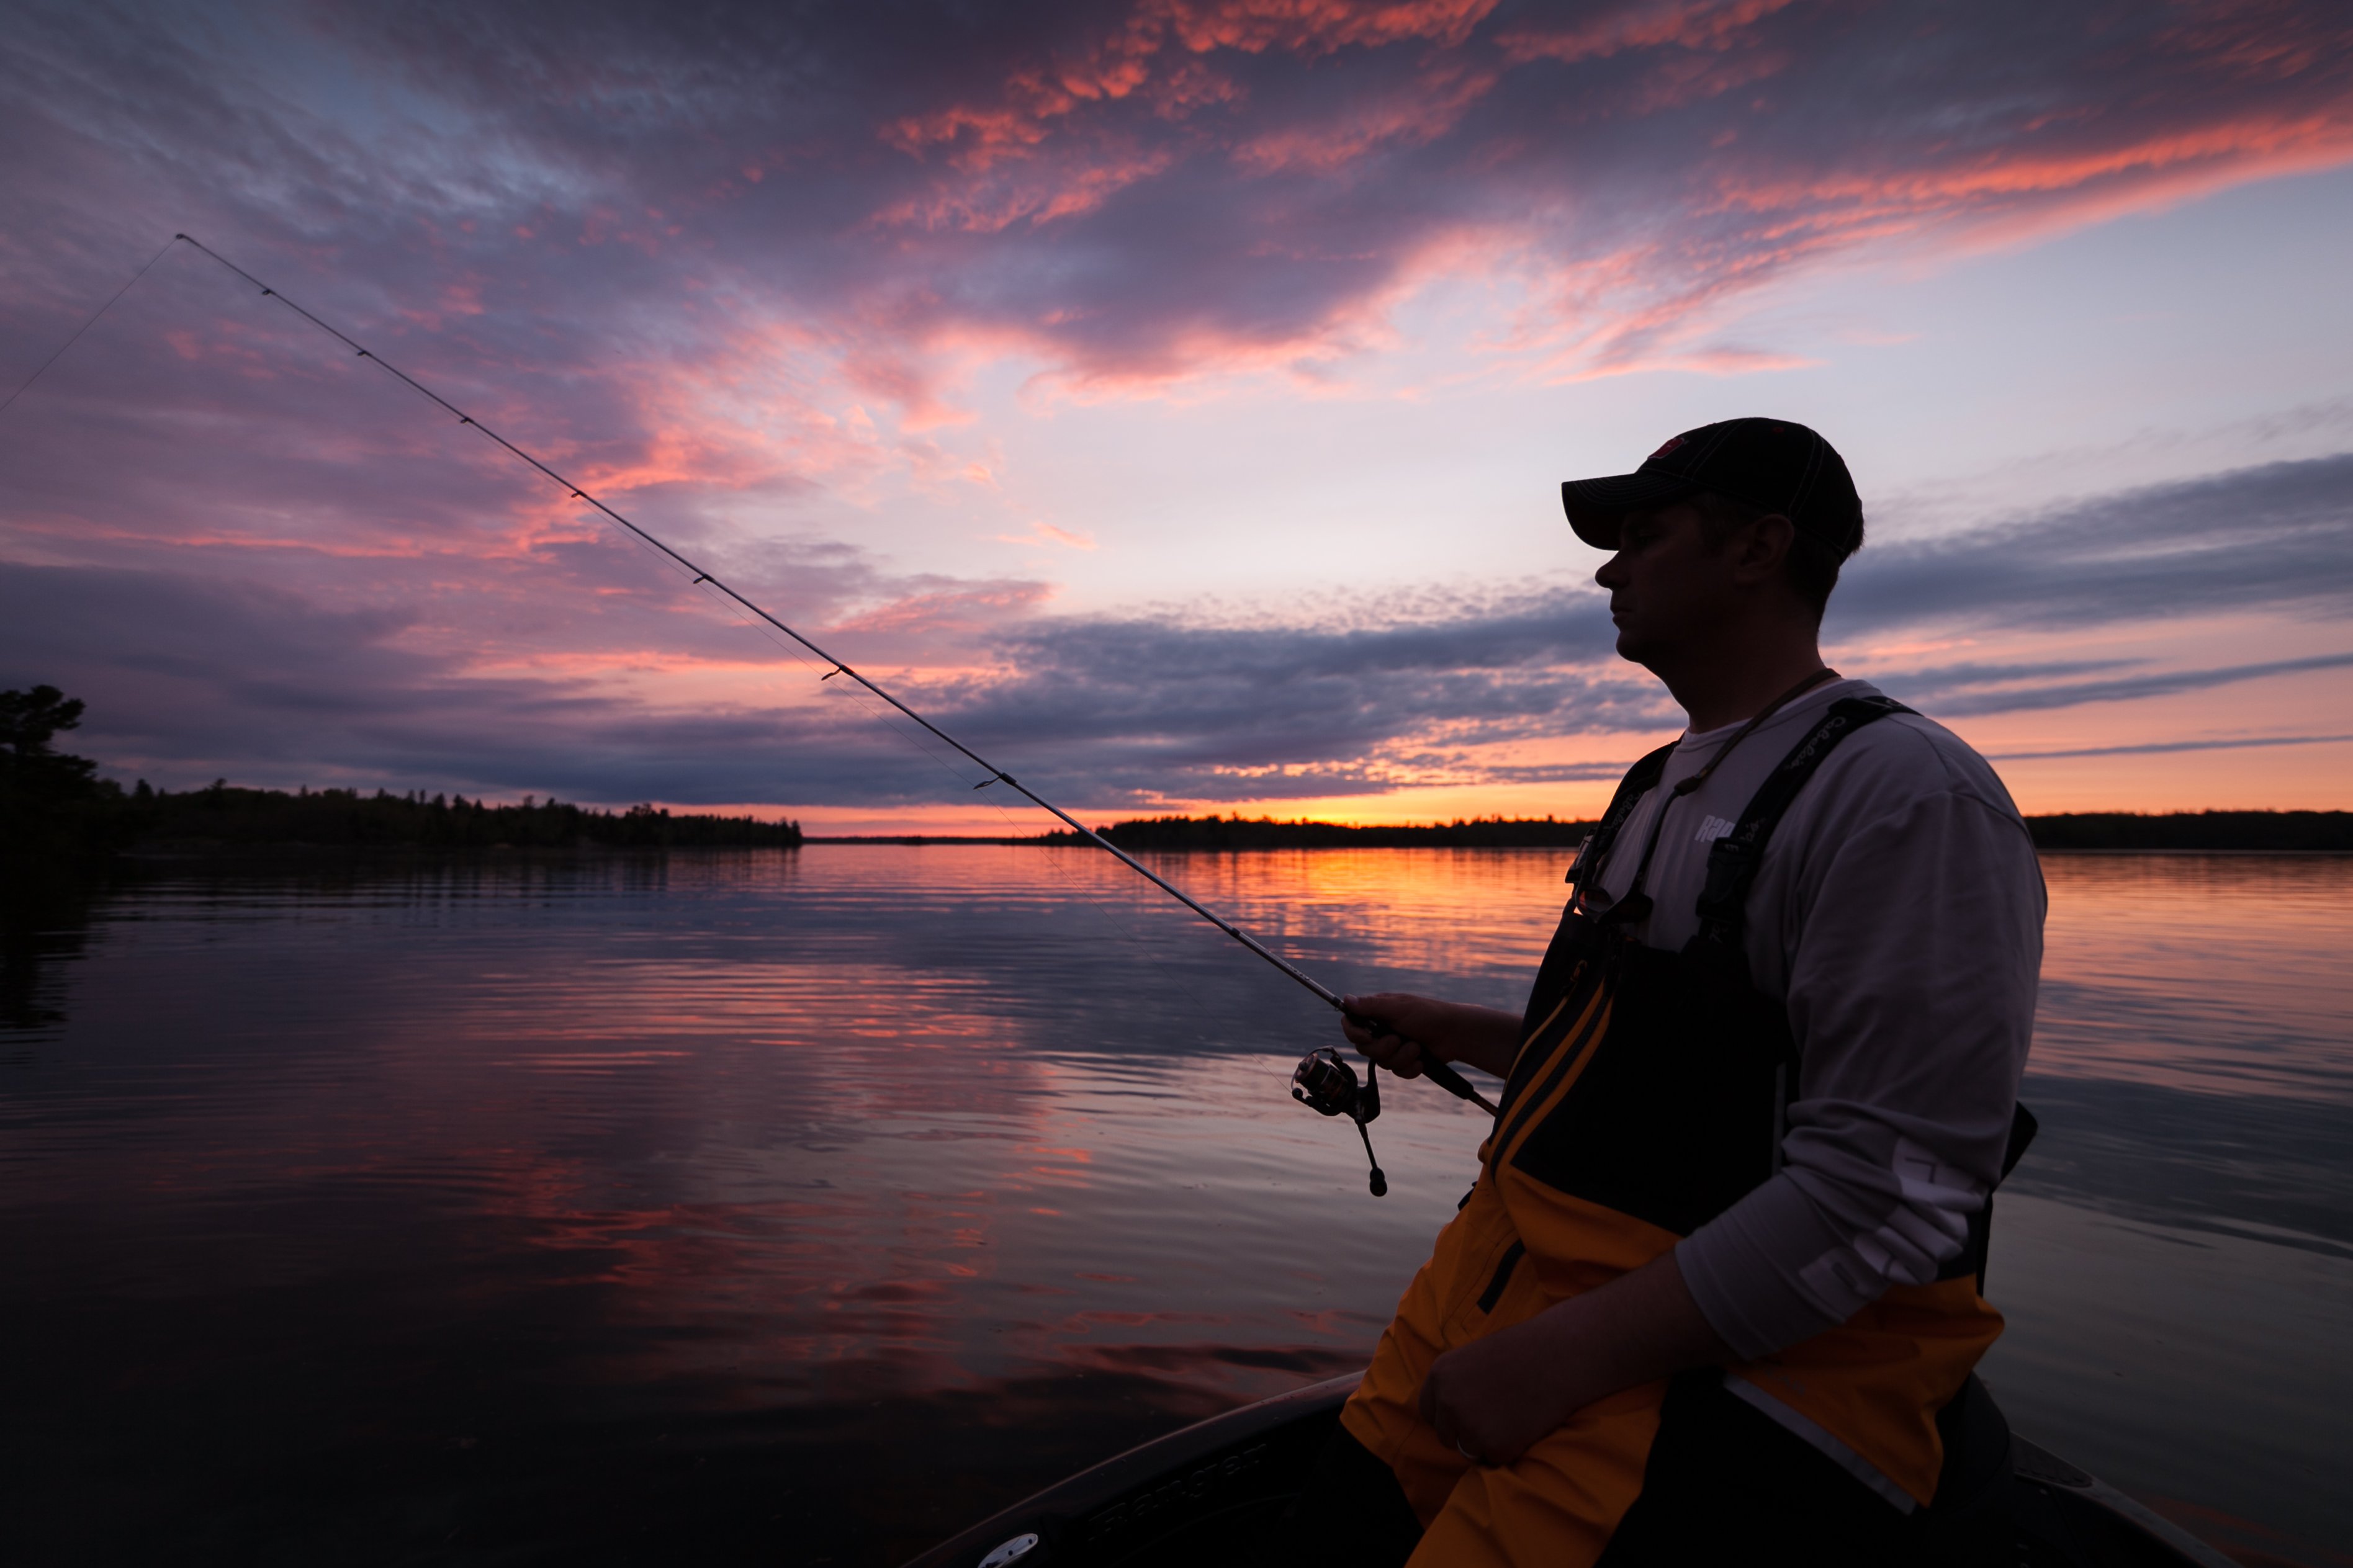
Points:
[(1636, 648)]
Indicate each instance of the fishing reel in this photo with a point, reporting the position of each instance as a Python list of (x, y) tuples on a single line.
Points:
[(1326, 1084)]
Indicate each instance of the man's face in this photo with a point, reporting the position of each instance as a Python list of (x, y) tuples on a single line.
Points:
[(1666, 587)]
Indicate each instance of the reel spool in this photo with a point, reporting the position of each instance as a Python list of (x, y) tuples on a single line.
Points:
[(1326, 1084)]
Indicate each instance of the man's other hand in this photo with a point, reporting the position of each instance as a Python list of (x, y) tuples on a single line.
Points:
[(1497, 1397), (1489, 1397)]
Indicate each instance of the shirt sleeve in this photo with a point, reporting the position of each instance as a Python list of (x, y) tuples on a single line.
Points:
[(1911, 997)]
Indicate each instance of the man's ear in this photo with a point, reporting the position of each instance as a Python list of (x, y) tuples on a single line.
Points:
[(1765, 547)]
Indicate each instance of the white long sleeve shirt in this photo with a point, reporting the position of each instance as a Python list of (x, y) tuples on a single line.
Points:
[(1897, 913)]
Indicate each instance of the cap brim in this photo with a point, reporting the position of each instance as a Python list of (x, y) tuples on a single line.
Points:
[(1595, 506)]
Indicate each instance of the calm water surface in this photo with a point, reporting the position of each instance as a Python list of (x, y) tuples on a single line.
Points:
[(803, 1206)]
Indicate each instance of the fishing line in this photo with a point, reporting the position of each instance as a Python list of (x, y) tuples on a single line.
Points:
[(866, 707), (85, 326), (1077, 891), (1190, 1000), (1438, 1072), (883, 716)]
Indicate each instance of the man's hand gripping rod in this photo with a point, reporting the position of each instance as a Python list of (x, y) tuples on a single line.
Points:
[(1438, 1072)]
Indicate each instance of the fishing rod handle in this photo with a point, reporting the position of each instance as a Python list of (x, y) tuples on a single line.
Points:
[(1454, 1083), (1433, 1069)]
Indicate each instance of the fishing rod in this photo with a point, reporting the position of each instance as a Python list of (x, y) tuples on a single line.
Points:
[(1314, 1083)]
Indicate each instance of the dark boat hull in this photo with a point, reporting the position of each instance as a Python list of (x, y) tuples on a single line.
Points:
[(1205, 1494)]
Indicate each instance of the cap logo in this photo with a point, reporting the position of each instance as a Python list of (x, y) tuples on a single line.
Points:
[(1674, 443)]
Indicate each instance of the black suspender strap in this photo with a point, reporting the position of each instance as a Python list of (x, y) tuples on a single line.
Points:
[(1636, 904), (1639, 780), (1971, 1258), (1733, 860)]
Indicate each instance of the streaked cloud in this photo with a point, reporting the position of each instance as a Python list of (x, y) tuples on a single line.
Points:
[(2006, 693), (758, 275), (1136, 191), (1124, 712), (2276, 536), (2159, 748)]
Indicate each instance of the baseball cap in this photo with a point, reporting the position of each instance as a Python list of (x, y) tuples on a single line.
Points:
[(1770, 463)]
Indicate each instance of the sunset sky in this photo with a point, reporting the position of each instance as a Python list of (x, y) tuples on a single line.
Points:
[(1169, 397)]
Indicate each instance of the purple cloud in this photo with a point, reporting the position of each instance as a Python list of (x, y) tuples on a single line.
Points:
[(193, 676), (670, 248)]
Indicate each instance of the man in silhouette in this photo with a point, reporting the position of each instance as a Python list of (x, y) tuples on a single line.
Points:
[(1716, 1281)]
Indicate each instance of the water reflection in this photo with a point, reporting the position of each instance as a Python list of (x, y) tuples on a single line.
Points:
[(2217, 973), (2208, 1372), (43, 919), (808, 1204), (2193, 1059)]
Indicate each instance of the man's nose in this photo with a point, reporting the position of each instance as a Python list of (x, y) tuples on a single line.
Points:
[(1613, 572)]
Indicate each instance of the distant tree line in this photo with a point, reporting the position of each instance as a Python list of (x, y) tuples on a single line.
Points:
[(53, 805), (54, 808), (1266, 833), (221, 813), (2276, 830), (2186, 830)]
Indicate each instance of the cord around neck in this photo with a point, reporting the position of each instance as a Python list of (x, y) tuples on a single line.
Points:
[(1636, 904)]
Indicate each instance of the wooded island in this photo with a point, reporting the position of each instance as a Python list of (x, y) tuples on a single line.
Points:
[(54, 806)]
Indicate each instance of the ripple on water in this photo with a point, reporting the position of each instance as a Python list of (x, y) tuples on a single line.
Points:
[(548, 1192)]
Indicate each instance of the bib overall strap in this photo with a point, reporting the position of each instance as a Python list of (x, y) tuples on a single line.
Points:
[(1971, 1259), (1733, 860), (1639, 780), (1635, 906)]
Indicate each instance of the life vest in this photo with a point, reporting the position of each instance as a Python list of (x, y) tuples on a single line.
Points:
[(1647, 1097)]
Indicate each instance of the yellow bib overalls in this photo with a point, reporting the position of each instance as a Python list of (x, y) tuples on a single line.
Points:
[(1645, 1099)]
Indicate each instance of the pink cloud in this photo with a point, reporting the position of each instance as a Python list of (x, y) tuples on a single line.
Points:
[(1427, 109), (1142, 51), (947, 609), (756, 310), (1043, 532), (1687, 24), (1741, 194)]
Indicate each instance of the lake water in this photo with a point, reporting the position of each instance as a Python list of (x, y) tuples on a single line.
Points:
[(805, 1206)]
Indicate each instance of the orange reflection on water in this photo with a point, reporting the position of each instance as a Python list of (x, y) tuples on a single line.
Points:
[(763, 1114), (951, 1127)]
